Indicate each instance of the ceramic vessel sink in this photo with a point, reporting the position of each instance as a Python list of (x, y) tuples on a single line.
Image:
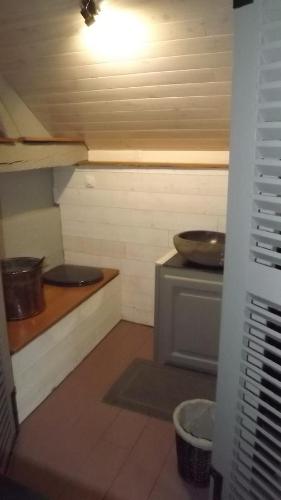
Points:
[(205, 248)]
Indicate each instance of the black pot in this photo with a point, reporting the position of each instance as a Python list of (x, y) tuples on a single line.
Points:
[(23, 287)]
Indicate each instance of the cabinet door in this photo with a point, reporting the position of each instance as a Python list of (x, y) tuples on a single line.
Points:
[(187, 328)]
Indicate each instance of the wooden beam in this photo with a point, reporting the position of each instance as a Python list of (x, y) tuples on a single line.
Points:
[(7, 140), (32, 156), (51, 140)]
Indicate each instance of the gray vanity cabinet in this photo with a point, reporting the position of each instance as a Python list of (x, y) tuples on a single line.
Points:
[(187, 315)]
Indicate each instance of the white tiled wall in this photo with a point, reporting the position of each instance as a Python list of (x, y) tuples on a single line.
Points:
[(127, 219)]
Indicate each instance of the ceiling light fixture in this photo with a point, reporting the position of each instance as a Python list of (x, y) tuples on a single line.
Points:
[(117, 34), (89, 10)]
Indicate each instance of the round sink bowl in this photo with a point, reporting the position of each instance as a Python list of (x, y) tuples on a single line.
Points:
[(205, 248)]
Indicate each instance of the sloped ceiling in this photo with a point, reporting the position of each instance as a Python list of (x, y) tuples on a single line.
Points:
[(174, 94)]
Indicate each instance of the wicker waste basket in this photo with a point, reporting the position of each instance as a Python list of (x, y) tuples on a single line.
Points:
[(194, 422)]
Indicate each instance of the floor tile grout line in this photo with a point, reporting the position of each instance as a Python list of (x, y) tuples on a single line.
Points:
[(112, 423), (135, 443), (119, 470), (92, 449), (161, 470), (125, 461), (130, 453), (100, 399), (94, 445), (142, 340)]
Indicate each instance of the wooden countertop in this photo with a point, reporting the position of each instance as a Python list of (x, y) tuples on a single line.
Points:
[(60, 301)]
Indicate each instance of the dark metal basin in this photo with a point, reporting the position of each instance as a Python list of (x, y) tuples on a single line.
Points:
[(205, 248)]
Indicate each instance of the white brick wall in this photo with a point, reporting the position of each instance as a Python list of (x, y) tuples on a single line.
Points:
[(127, 219)]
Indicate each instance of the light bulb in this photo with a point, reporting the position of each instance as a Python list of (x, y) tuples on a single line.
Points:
[(115, 35)]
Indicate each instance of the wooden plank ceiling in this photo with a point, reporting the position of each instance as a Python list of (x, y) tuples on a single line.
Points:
[(173, 94)]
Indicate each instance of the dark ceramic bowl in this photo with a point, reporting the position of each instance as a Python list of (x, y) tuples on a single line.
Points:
[(205, 248)]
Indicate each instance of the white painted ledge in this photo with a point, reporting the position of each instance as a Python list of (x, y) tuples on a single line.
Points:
[(220, 158), (166, 257)]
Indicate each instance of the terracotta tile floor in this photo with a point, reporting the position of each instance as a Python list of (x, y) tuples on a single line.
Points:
[(76, 447)]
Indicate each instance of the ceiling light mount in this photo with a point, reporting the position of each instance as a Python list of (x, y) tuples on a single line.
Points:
[(89, 10)]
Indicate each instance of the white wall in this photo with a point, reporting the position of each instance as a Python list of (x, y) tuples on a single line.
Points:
[(126, 219), (30, 221)]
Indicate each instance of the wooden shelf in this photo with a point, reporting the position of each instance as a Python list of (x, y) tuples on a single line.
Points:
[(51, 140), (7, 140), (43, 140), (128, 165), (60, 301)]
